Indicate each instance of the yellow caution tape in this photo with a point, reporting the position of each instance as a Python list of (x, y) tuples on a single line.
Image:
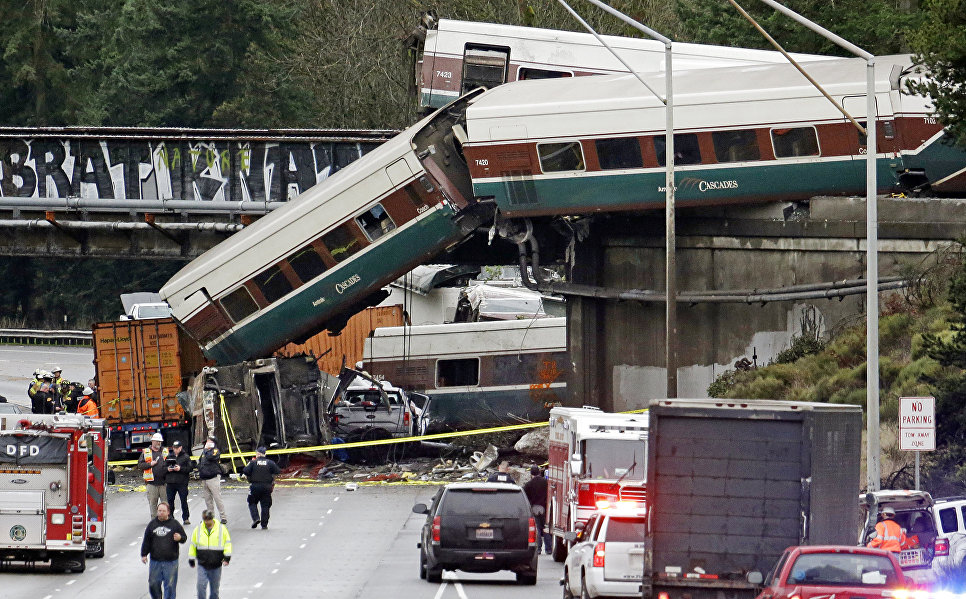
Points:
[(356, 444)]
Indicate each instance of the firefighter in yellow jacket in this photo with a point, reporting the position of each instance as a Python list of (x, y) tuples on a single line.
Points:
[(211, 547)]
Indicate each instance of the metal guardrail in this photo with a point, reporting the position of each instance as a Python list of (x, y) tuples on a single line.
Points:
[(45, 337)]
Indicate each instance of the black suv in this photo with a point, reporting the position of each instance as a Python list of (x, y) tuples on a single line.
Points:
[(478, 527)]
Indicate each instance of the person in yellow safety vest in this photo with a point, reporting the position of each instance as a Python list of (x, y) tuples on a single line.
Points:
[(888, 533), (33, 392), (211, 546), (86, 405), (60, 384), (152, 467)]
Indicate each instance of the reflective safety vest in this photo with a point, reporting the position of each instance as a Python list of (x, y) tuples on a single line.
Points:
[(211, 547), (149, 457), (88, 408), (889, 536)]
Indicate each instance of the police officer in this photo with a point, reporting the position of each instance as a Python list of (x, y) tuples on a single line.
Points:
[(261, 473)]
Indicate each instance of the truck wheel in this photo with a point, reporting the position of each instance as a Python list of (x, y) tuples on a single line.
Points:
[(527, 577), (67, 562), (434, 575), (584, 593), (559, 549), (95, 548), (422, 565)]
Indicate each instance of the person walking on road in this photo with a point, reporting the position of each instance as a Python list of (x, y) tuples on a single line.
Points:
[(179, 466), (261, 473), (211, 546), (209, 471), (888, 533), (153, 469), (161, 539), (536, 491)]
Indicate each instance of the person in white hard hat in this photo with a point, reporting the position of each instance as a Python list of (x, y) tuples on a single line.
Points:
[(151, 464), (86, 405)]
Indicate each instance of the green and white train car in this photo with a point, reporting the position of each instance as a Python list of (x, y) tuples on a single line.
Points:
[(314, 262)]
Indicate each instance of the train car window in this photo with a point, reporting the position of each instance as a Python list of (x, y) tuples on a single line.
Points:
[(273, 284), (736, 146), (464, 372), (341, 242), (307, 263), (797, 141), (619, 152), (686, 149), (239, 304), (375, 222), (484, 67), (561, 157), (529, 73)]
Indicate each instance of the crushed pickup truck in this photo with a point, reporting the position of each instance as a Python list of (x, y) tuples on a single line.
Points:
[(363, 408)]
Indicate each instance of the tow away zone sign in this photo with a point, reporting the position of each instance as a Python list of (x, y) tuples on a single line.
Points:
[(917, 423)]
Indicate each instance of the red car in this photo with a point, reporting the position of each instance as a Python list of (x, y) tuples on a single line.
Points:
[(824, 571)]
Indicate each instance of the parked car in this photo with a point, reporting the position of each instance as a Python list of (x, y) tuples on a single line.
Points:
[(834, 571), (914, 514), (478, 527), (950, 546), (607, 558)]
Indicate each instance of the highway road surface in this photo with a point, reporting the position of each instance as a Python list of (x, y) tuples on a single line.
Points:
[(18, 362), (321, 542)]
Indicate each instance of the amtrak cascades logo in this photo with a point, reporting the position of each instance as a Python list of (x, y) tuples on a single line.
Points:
[(712, 185), (701, 185), (18, 532)]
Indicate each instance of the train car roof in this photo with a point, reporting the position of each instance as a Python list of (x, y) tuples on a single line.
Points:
[(555, 97), (293, 210), (530, 37)]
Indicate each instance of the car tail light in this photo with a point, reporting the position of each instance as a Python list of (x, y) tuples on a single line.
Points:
[(532, 532), (942, 547), (406, 417), (663, 595), (436, 529), (599, 555)]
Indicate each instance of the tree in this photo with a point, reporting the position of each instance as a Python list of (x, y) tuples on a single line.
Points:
[(874, 25), (940, 46)]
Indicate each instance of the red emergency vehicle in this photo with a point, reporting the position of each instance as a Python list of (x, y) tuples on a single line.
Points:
[(52, 483), (596, 459)]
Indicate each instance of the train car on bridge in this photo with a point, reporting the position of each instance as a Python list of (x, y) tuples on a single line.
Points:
[(455, 57), (324, 256), (742, 134)]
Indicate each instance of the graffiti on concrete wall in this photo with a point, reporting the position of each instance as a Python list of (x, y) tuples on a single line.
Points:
[(236, 170)]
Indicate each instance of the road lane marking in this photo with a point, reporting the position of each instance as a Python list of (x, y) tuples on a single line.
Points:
[(312, 535), (275, 571), (329, 512), (460, 591), (439, 591), (113, 555), (336, 498), (302, 546), (288, 558), (70, 582), (258, 585)]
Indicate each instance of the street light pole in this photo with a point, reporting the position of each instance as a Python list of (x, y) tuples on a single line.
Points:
[(873, 449), (670, 240)]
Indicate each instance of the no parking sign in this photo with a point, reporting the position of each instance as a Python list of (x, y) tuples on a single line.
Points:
[(917, 423)]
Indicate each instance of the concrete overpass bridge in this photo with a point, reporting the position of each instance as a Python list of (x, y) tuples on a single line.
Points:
[(155, 193)]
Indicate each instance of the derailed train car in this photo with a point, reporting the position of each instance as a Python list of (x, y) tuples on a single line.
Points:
[(273, 402)]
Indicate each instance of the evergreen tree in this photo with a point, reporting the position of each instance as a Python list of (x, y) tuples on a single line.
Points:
[(940, 44)]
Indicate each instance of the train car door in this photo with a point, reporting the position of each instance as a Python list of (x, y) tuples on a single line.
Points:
[(484, 66), (887, 143)]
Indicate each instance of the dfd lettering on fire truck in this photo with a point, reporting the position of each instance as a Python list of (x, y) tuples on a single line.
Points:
[(597, 459)]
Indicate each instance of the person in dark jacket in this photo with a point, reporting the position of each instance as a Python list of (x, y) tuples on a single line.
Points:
[(161, 539), (179, 466), (209, 471), (211, 546), (536, 491), (261, 473), (502, 474)]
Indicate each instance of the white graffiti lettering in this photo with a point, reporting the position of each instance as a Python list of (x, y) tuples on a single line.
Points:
[(341, 287)]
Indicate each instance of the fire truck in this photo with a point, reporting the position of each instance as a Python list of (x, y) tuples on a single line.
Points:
[(52, 480), (597, 459)]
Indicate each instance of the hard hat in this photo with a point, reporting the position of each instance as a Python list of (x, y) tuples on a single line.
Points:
[(157, 437), (38, 372), (56, 369), (88, 391), (888, 511), (46, 375)]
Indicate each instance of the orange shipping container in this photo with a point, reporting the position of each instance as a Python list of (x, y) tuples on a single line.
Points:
[(141, 365), (350, 342)]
